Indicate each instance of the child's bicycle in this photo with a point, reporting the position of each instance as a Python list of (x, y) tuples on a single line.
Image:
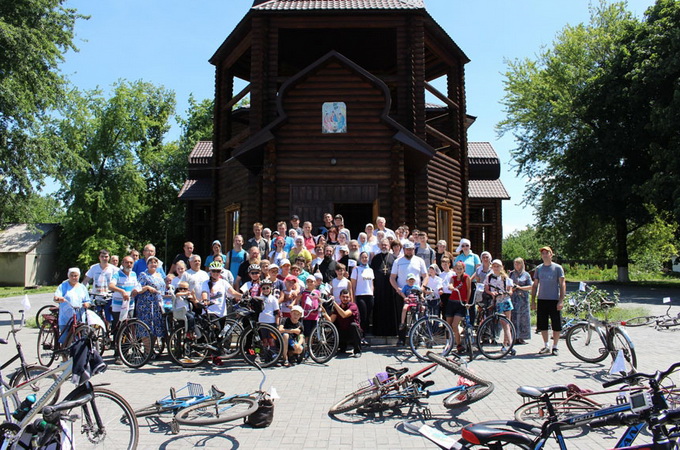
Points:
[(324, 340), (495, 334), (197, 408), (394, 388), (426, 333)]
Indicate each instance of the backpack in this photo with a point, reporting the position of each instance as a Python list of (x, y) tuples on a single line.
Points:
[(263, 415)]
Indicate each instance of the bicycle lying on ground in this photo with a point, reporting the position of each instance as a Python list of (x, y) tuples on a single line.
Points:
[(662, 321), (642, 407), (592, 340), (104, 417), (394, 388), (197, 408)]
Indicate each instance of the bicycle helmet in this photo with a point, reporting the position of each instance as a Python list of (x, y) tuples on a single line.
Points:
[(215, 265), (254, 268), (267, 283)]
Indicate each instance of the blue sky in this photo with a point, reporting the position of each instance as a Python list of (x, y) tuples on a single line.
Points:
[(169, 43)]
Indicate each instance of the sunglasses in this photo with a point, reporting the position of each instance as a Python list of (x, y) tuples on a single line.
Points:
[(182, 289)]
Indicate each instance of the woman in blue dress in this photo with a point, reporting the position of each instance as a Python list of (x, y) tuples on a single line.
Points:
[(73, 298), (150, 297), (521, 315)]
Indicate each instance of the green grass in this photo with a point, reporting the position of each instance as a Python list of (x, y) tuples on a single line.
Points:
[(579, 272), (616, 314), (15, 291)]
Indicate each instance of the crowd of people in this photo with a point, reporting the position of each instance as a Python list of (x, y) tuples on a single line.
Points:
[(370, 277)]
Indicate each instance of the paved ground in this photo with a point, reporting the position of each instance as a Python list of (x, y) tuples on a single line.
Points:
[(308, 390)]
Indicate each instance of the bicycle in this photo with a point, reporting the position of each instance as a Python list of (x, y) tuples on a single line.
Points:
[(259, 343), (134, 342), (393, 388), (51, 339), (489, 331), (662, 321), (592, 340), (105, 417), (324, 339), (25, 372), (642, 408), (426, 332)]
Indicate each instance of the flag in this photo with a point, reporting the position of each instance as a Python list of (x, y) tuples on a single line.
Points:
[(619, 365), (26, 304)]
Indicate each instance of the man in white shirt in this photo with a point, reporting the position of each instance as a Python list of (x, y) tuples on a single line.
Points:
[(409, 263), (195, 276)]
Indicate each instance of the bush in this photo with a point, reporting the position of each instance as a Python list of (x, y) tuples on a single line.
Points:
[(576, 303)]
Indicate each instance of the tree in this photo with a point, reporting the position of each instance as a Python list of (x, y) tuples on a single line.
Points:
[(570, 115), (523, 244), (117, 184), (34, 36)]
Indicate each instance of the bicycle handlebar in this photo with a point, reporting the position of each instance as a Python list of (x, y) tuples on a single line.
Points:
[(635, 376)]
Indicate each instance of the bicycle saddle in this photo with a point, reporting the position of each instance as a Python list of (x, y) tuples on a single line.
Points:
[(396, 372), (216, 392), (481, 434), (536, 392)]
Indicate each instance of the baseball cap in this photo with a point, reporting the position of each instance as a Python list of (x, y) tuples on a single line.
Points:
[(297, 308), (546, 248), (410, 276), (294, 217), (409, 244)]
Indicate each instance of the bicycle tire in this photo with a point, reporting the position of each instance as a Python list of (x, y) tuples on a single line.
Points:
[(187, 352), (14, 397), (668, 323), (640, 321), (120, 428), (469, 344), (229, 343), (536, 412), (217, 411), (37, 387), (500, 442), (134, 343), (254, 348), (586, 342), (488, 334), (430, 333), (455, 368), (355, 400), (469, 395), (48, 340), (39, 316), (670, 386), (619, 340), (323, 342)]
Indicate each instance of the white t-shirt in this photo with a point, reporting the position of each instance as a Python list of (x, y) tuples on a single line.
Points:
[(446, 281), (271, 305), (100, 278), (496, 283), (435, 283), (196, 280), (339, 285), (218, 295), (364, 286), (402, 267)]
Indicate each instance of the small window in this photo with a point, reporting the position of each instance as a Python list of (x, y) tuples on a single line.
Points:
[(445, 224), (232, 217), (334, 117)]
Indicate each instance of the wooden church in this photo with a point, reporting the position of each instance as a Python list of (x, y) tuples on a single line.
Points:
[(338, 122)]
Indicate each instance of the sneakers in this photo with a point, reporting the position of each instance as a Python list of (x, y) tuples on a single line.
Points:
[(544, 351), (556, 351)]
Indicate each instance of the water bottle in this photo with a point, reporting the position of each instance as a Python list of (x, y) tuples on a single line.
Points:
[(24, 408)]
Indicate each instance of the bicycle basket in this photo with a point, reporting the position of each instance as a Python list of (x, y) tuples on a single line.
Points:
[(195, 389)]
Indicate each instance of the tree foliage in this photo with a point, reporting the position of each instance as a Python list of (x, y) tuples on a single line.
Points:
[(34, 36), (585, 127)]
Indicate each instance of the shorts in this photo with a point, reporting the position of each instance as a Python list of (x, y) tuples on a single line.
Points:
[(455, 308), (547, 309), (292, 342), (504, 305)]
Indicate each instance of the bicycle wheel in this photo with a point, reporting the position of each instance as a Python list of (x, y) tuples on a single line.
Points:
[(229, 343), (107, 421), (619, 340), (187, 351), (134, 343), (670, 386), (668, 323), (500, 442), (323, 342), (431, 334), (468, 395), (217, 411), (38, 387), (355, 400), (456, 368), (586, 342), (640, 321), (536, 412), (262, 345), (40, 315), (48, 338), (159, 407), (496, 337)]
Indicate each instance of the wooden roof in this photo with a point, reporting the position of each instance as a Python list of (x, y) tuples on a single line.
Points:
[(301, 5), (196, 188), (487, 189)]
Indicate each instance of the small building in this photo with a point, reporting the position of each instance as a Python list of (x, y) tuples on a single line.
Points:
[(338, 122), (28, 254)]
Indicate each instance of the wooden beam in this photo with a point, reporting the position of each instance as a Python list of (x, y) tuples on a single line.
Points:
[(441, 136), (227, 106), (450, 103), (236, 140)]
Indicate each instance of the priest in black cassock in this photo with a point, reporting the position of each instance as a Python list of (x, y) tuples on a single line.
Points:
[(386, 310)]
